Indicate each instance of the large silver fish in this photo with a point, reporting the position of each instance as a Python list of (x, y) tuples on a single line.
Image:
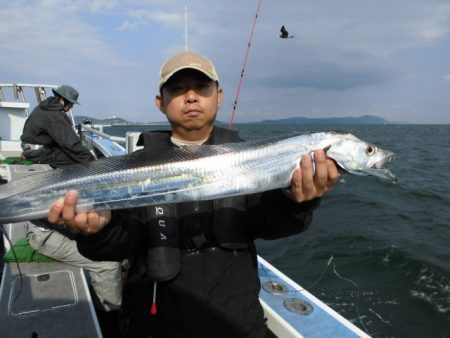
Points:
[(187, 174)]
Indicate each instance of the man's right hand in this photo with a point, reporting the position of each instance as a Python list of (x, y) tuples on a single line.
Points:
[(63, 213)]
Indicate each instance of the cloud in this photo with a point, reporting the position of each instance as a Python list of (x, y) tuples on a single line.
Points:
[(375, 29), (93, 6), (142, 17), (327, 77), (50, 38), (345, 56)]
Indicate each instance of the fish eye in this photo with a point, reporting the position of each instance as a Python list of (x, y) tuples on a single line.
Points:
[(370, 149)]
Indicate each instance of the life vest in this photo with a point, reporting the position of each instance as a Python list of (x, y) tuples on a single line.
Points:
[(165, 242)]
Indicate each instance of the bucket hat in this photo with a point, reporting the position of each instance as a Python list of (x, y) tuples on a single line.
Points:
[(67, 92)]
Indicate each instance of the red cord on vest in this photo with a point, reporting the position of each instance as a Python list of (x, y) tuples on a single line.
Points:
[(153, 309)]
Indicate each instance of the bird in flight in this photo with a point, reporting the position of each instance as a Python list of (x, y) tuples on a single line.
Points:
[(284, 33)]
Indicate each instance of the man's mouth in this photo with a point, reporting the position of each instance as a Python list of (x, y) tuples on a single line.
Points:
[(193, 112)]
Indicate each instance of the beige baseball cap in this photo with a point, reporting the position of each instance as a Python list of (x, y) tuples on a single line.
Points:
[(187, 60)]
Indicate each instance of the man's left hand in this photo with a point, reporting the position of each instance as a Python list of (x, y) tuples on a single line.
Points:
[(308, 183)]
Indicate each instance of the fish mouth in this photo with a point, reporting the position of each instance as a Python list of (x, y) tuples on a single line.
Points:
[(387, 157), (379, 171)]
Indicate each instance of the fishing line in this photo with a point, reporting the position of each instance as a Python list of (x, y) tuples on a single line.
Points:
[(330, 260), (301, 289), (3, 230), (244, 65), (357, 297)]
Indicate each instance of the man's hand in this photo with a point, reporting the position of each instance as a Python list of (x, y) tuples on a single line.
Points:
[(63, 213), (308, 184)]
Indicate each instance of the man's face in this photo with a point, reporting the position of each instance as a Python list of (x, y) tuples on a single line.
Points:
[(67, 106), (190, 101)]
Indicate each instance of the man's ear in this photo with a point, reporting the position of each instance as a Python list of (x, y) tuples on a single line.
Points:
[(219, 97), (159, 102)]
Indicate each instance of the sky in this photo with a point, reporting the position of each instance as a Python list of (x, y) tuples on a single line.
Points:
[(347, 58)]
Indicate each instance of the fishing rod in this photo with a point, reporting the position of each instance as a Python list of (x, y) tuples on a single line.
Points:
[(244, 65)]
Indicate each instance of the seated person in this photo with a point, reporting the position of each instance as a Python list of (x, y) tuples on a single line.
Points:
[(48, 135)]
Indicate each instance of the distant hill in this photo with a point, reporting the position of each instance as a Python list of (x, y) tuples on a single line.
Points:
[(109, 121), (365, 119)]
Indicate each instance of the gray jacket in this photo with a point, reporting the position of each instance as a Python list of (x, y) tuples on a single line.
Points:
[(50, 127)]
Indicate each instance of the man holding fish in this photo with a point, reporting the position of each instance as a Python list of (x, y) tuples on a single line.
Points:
[(194, 263)]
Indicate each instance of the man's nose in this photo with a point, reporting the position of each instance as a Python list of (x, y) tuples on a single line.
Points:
[(191, 95)]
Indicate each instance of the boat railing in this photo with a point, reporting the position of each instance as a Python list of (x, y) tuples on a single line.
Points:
[(18, 92), (93, 130)]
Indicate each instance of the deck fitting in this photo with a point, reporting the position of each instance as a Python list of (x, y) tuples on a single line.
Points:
[(274, 287), (299, 306)]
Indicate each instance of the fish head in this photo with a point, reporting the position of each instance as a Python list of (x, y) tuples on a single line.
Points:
[(361, 158)]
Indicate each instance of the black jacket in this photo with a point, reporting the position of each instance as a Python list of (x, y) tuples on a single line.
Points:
[(215, 292), (49, 126)]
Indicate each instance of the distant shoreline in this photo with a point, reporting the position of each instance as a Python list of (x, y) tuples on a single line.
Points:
[(365, 119), (362, 120)]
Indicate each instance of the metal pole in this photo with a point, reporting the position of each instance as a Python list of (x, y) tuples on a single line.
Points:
[(185, 27)]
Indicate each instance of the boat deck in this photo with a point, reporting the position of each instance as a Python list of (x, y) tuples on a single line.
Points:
[(43, 299), (48, 299)]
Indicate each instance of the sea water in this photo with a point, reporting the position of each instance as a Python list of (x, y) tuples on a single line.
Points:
[(390, 243)]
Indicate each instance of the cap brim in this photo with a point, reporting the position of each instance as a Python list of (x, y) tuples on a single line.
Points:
[(199, 69)]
